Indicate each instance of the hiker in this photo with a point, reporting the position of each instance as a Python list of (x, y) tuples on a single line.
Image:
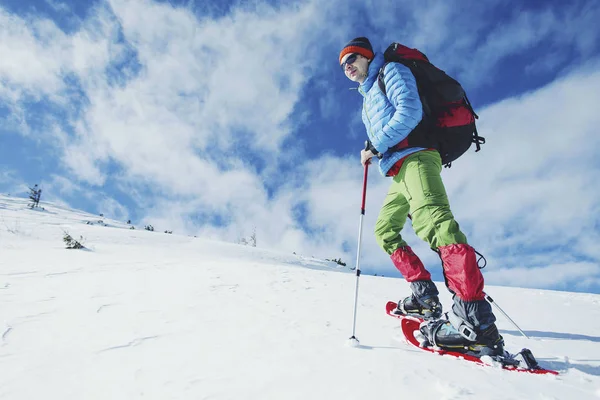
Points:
[(391, 111)]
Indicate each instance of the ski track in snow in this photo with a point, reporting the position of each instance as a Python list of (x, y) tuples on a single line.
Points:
[(133, 343), (6, 332), (152, 316)]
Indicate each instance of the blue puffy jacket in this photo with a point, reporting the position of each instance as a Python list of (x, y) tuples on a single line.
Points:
[(389, 119)]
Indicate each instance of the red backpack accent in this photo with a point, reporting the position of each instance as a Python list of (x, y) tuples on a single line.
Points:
[(448, 123)]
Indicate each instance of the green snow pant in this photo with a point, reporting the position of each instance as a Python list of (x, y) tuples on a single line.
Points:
[(418, 189)]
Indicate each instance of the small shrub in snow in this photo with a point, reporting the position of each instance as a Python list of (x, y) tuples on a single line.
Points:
[(15, 228), (71, 243), (251, 241), (338, 261)]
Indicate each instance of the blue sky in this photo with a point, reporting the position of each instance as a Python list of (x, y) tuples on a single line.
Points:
[(221, 118)]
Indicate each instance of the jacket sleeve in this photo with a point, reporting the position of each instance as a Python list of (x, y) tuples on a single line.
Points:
[(402, 92)]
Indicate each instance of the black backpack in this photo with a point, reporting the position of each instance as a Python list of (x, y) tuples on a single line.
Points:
[(448, 123)]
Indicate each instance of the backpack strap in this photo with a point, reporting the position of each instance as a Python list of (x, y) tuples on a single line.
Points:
[(380, 79), (424, 103), (478, 140)]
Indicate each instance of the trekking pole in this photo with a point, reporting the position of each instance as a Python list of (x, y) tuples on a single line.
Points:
[(488, 298), (353, 341)]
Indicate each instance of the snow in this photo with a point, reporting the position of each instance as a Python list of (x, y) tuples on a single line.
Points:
[(149, 315)]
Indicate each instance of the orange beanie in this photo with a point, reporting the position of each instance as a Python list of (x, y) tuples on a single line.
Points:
[(360, 45)]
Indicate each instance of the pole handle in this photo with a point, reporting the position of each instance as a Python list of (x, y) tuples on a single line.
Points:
[(364, 191)]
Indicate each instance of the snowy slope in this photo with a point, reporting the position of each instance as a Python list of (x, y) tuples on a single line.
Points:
[(146, 315)]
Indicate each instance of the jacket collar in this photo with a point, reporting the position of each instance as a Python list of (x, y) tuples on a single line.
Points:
[(372, 74)]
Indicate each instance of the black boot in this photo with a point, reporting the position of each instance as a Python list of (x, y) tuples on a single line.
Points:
[(426, 307), (476, 342), (489, 341)]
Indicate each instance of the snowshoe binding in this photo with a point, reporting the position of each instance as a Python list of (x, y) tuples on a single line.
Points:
[(467, 340), (427, 307)]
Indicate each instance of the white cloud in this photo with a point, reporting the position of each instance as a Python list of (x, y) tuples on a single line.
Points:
[(580, 275), (58, 6), (29, 61), (111, 208), (9, 178), (202, 85), (473, 40), (63, 186)]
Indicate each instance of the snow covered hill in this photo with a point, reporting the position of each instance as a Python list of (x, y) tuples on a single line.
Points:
[(148, 315)]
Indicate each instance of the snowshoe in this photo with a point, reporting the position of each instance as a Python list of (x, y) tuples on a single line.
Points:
[(523, 361)]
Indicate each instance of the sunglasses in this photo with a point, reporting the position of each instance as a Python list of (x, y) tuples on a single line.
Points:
[(350, 60)]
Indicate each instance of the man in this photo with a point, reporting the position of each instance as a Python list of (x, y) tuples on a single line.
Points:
[(417, 188)]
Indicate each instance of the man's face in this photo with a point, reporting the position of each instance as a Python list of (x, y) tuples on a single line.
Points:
[(355, 67)]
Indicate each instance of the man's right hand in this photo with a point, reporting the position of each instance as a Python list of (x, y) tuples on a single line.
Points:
[(365, 157)]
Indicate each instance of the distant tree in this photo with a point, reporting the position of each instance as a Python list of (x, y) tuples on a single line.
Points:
[(128, 221), (102, 215), (132, 227), (34, 195), (149, 228), (169, 232)]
